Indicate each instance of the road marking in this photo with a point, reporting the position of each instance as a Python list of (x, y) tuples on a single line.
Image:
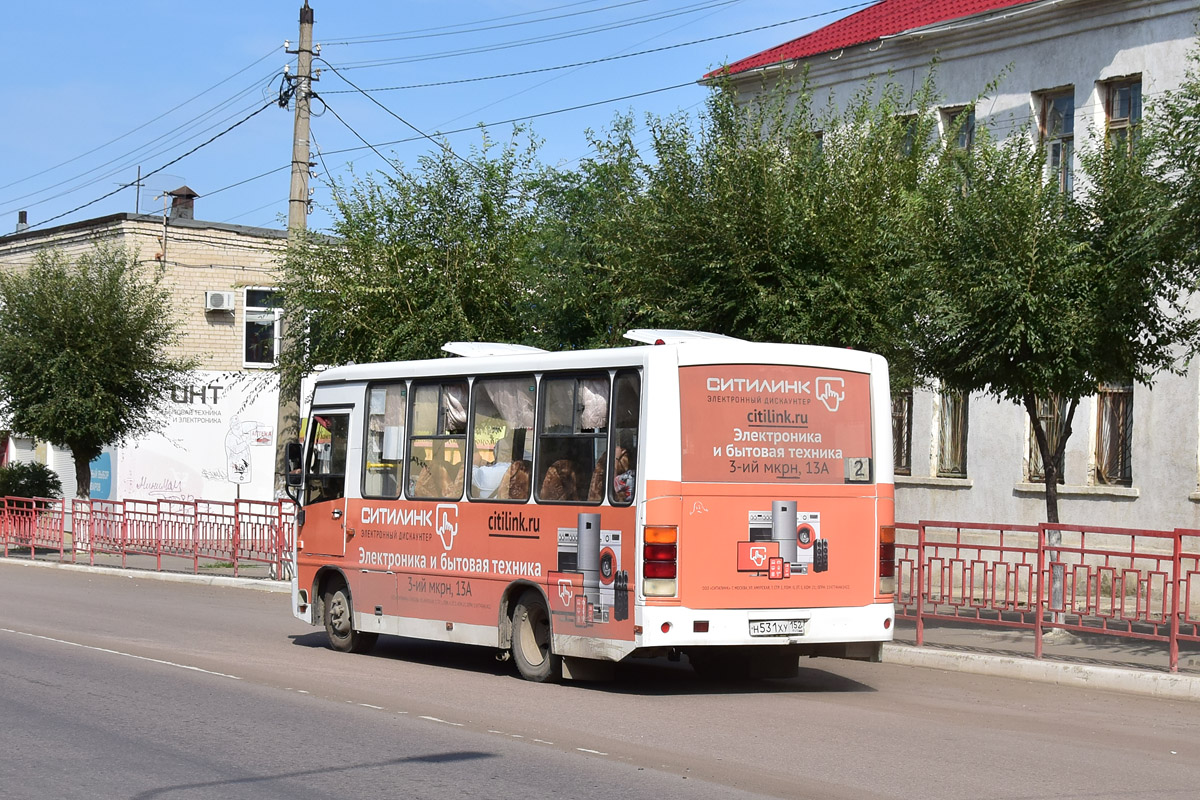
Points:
[(593, 752), (368, 705), (444, 722), (120, 653)]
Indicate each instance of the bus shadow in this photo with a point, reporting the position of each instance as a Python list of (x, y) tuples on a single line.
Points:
[(655, 677), (661, 678)]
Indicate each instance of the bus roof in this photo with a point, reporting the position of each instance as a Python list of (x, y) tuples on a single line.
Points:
[(682, 348)]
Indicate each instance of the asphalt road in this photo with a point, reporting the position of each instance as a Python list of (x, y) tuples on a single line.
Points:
[(126, 687)]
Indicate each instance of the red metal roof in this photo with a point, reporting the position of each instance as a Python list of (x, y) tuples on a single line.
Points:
[(885, 18)]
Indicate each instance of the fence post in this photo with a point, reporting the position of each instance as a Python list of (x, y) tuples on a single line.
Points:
[(237, 535), (921, 578), (1040, 608), (1177, 588)]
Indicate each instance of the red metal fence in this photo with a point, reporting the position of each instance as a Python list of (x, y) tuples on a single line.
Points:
[(235, 532), (1132, 583)]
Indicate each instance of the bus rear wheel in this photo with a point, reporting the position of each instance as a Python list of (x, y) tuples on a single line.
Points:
[(339, 623), (531, 648)]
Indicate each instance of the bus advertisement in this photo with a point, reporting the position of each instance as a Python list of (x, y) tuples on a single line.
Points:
[(697, 495)]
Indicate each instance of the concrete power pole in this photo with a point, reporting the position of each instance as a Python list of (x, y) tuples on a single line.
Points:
[(288, 419), (298, 198)]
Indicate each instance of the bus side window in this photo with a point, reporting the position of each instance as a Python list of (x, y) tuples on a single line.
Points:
[(627, 410), (384, 450), (437, 440), (573, 440), (326, 468), (502, 434)]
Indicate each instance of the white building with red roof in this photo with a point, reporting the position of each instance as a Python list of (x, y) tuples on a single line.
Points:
[(1063, 69)]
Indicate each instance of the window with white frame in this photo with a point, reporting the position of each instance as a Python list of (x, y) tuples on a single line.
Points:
[(1114, 434), (1123, 108), (1052, 413), (1057, 124), (262, 315), (902, 403), (952, 434)]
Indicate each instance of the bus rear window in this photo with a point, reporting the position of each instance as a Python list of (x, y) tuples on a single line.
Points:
[(775, 424)]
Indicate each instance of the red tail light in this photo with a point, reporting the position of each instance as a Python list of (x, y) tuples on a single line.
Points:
[(887, 559), (660, 561)]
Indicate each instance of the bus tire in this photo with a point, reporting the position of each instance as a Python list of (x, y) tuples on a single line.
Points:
[(339, 623), (531, 641)]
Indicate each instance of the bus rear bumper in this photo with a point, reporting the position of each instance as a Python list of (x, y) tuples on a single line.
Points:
[(677, 627)]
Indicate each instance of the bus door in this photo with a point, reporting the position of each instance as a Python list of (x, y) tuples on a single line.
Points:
[(324, 531)]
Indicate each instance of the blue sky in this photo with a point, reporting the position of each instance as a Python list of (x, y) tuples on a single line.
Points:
[(96, 90)]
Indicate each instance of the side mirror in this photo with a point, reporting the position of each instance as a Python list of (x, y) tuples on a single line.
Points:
[(291, 457)]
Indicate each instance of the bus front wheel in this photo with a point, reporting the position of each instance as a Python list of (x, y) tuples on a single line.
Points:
[(339, 624), (531, 640)]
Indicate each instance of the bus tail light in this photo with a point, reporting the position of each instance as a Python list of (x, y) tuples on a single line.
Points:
[(887, 559), (660, 561)]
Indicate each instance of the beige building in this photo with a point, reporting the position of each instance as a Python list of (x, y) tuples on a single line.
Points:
[(221, 279)]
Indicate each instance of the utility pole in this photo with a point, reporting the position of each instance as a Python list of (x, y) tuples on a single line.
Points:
[(298, 198), (287, 425)]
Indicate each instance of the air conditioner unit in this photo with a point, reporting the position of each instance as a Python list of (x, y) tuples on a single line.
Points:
[(218, 301)]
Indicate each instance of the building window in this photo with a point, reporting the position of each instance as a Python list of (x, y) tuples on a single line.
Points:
[(959, 123), (263, 311), (1058, 137), (910, 126), (1123, 106), (1114, 434), (952, 438), (902, 403), (1052, 412)]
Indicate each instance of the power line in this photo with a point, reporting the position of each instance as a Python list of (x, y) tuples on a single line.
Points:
[(536, 40), (522, 118), (425, 33), (359, 136), (159, 169), (443, 145), (610, 58), (133, 156), (143, 125)]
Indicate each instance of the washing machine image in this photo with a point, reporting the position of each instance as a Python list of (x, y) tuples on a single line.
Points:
[(609, 567), (808, 533)]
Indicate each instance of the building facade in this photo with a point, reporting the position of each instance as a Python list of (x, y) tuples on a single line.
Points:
[(218, 437), (1064, 70)]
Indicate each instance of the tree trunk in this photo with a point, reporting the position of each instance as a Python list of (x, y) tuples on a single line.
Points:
[(83, 457), (1050, 471)]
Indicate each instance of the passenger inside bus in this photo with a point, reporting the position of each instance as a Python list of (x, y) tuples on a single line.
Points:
[(624, 464)]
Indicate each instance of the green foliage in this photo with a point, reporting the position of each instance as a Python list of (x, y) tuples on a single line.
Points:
[(416, 260), (84, 351), (29, 480)]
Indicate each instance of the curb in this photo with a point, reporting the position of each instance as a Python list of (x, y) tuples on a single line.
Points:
[(1112, 679), (259, 584)]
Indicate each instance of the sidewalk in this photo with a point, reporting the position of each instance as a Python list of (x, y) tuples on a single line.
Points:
[(1099, 662)]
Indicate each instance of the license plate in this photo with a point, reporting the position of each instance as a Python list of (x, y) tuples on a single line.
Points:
[(777, 627)]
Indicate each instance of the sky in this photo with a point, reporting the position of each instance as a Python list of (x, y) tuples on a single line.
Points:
[(187, 91)]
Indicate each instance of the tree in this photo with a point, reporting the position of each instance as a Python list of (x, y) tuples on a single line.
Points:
[(85, 351), (1036, 294), (414, 260), (29, 480), (766, 220)]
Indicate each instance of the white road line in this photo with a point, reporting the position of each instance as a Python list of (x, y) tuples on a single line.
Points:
[(593, 752), (368, 705), (444, 722), (119, 653)]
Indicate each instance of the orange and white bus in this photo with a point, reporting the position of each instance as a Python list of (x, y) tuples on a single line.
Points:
[(695, 495)]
